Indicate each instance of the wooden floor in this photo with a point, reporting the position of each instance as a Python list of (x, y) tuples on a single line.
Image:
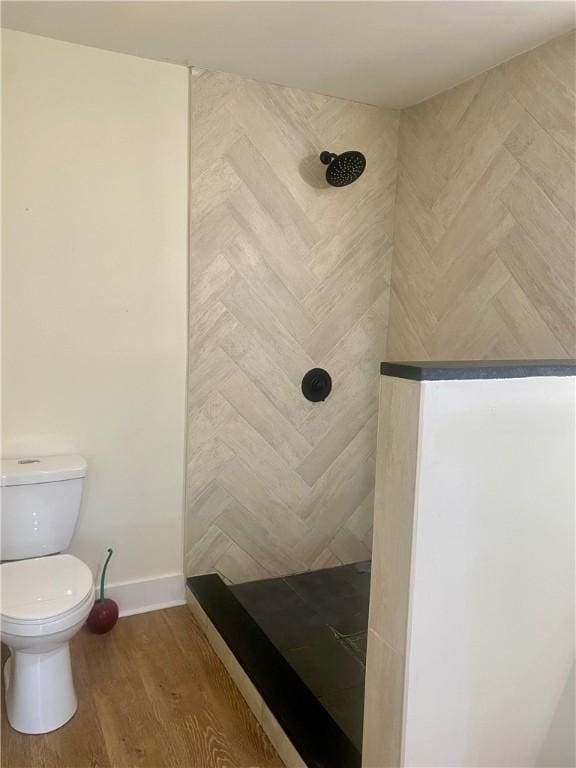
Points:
[(151, 693)]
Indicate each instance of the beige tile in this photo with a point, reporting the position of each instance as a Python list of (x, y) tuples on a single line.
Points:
[(396, 467), (286, 274), (383, 705), (326, 559), (237, 566), (246, 397), (545, 161), (485, 168), (551, 296), (205, 552), (349, 548)]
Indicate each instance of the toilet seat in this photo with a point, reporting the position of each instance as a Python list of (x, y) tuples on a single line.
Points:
[(44, 595)]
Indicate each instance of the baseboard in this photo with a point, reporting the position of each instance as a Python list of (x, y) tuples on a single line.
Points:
[(142, 595)]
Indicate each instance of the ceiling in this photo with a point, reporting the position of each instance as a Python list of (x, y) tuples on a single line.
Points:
[(392, 54)]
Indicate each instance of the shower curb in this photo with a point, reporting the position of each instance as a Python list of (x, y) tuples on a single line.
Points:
[(303, 732)]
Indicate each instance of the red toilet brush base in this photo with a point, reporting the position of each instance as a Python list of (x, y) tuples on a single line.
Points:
[(103, 616)]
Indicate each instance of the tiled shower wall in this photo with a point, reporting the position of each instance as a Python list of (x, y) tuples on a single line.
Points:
[(484, 251), (286, 274)]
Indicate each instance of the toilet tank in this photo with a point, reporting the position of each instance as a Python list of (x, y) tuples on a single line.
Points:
[(40, 504)]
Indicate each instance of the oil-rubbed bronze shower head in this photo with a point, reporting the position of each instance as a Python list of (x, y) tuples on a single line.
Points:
[(343, 169)]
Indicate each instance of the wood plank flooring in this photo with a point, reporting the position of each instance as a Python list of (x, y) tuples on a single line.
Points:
[(152, 693)]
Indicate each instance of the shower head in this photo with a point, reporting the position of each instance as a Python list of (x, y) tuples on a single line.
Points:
[(343, 169)]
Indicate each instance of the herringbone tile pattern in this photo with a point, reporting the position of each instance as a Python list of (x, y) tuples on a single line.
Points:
[(286, 274), (484, 256)]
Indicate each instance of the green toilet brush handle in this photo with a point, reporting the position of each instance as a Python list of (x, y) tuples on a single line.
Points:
[(101, 598)]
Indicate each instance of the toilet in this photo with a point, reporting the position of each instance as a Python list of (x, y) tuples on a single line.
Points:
[(46, 595)]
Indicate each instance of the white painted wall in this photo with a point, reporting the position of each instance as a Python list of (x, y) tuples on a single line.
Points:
[(491, 637), (94, 287), (393, 54)]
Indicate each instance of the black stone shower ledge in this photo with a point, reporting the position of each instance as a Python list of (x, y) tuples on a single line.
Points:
[(317, 738), (477, 369)]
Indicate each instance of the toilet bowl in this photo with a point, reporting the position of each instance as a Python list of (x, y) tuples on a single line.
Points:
[(45, 602)]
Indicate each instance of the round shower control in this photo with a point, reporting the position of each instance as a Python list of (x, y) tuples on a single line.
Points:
[(316, 385)]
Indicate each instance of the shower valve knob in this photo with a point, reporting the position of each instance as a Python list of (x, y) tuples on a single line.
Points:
[(316, 385)]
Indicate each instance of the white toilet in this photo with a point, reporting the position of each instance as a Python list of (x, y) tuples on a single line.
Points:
[(46, 596)]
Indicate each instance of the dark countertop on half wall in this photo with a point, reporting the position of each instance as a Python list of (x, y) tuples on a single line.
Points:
[(432, 370)]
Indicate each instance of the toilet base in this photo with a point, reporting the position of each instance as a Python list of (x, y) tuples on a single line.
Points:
[(40, 694)]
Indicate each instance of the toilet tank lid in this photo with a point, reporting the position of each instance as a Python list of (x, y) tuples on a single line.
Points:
[(41, 469)]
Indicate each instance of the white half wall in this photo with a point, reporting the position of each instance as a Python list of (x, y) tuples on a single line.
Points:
[(490, 658), (94, 288)]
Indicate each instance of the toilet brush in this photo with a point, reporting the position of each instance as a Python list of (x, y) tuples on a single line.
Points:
[(104, 613)]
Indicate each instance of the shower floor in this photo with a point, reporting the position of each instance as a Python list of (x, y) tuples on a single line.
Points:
[(318, 621)]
